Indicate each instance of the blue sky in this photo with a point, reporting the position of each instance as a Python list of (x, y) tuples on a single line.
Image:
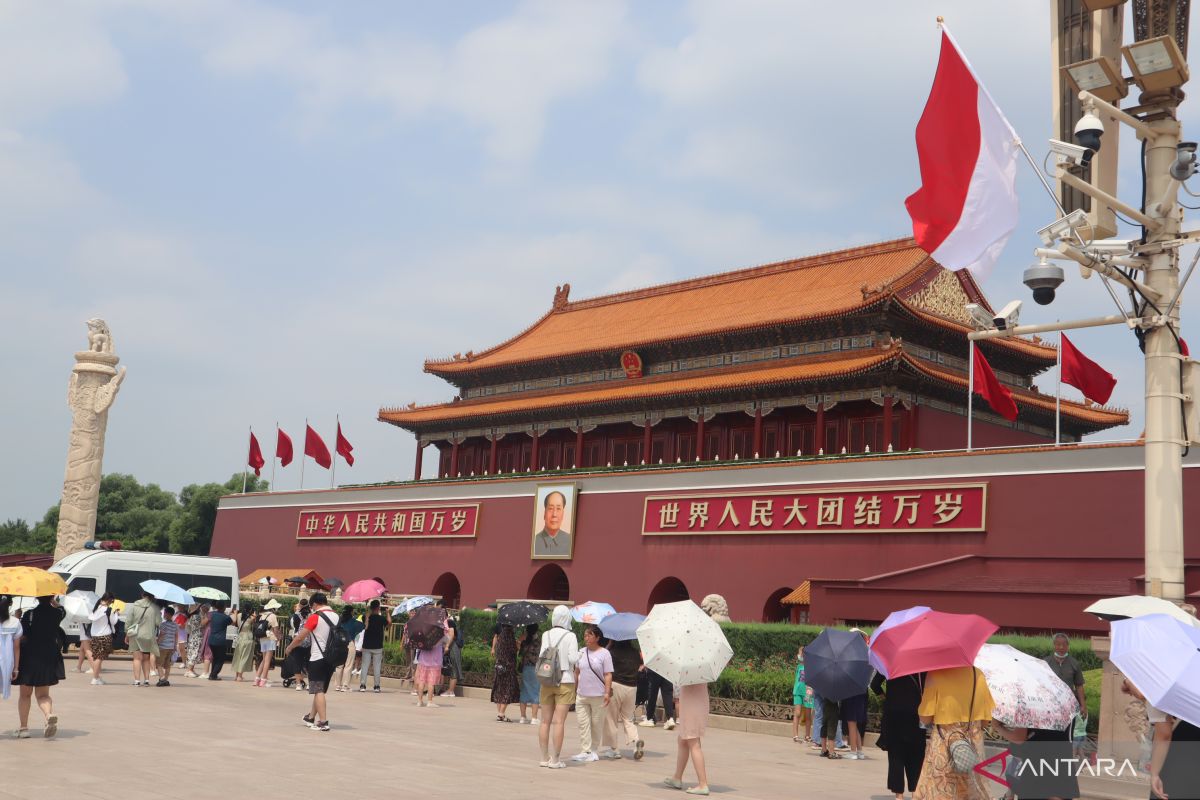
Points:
[(282, 209)]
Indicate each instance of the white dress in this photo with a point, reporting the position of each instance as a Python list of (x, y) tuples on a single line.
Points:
[(10, 631)]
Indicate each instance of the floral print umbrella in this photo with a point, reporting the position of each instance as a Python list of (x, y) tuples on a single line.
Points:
[(1026, 691), (683, 644)]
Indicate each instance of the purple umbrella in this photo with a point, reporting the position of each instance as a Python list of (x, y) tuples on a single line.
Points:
[(893, 619)]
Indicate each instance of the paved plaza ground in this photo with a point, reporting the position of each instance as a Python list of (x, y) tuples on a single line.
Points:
[(200, 739)]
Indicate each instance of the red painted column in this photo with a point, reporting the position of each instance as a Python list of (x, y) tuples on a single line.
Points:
[(646, 442), (417, 469), (700, 436), (533, 453), (757, 432), (887, 421), (492, 455), (453, 459), (913, 416), (579, 447), (819, 439)]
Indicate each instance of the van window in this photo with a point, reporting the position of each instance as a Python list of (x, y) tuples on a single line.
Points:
[(84, 584), (125, 584)]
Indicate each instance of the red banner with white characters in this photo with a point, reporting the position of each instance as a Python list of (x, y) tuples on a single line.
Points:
[(390, 522), (880, 509)]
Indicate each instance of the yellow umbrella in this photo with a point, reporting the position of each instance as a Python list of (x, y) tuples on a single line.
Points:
[(30, 582), (118, 606)]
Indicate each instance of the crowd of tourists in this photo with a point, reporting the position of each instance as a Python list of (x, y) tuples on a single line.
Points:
[(932, 721)]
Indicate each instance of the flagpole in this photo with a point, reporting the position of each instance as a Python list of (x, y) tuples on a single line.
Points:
[(970, 390), (275, 457), (333, 467), (304, 456), (245, 466), (1058, 395)]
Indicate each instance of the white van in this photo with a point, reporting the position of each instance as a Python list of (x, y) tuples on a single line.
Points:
[(122, 571)]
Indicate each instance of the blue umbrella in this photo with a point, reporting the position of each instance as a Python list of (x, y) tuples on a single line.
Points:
[(621, 627), (167, 591), (1160, 655), (410, 605), (836, 664)]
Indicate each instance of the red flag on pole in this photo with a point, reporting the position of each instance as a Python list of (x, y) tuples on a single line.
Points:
[(997, 396), (283, 448), (1086, 375), (315, 446), (344, 448), (256, 457)]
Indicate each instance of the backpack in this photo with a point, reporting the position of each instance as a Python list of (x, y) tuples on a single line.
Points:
[(261, 628), (337, 646), (297, 622), (549, 668)]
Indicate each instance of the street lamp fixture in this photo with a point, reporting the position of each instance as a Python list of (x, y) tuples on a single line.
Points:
[(1100, 76), (1157, 64)]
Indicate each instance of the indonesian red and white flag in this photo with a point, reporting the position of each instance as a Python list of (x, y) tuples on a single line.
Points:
[(966, 207)]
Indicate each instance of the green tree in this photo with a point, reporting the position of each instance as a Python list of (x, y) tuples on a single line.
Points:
[(17, 536), (192, 530)]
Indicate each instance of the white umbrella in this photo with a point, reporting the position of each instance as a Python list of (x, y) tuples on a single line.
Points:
[(79, 604), (1161, 656), (1026, 691), (683, 644), (1139, 605)]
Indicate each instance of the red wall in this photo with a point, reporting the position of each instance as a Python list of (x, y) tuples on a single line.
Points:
[(1063, 516), (939, 430)]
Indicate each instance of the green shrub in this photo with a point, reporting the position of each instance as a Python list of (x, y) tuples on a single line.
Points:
[(476, 658), (755, 641)]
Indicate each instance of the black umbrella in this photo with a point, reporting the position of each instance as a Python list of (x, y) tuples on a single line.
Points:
[(333, 583), (427, 626), (836, 665), (522, 613)]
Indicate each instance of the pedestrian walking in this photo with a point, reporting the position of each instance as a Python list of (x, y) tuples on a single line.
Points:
[(293, 671), (197, 639), (40, 665), (901, 734), (266, 631), (1174, 768), (352, 627), (103, 627), (85, 648), (693, 714), (506, 685), (593, 691), (141, 631), (181, 635), (245, 645), (452, 668), (619, 728), (802, 702), (557, 692), (1064, 665), (317, 631), (168, 637), (957, 703), (10, 645), (429, 670), (1055, 781), (527, 657), (218, 638), (659, 685), (372, 646)]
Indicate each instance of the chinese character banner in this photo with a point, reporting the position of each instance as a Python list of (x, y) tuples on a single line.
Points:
[(410, 522), (961, 508)]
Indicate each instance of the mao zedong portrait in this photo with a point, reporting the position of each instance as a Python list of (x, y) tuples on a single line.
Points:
[(552, 541)]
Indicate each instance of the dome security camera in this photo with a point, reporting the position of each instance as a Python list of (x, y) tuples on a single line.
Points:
[(1043, 278), (1088, 131)]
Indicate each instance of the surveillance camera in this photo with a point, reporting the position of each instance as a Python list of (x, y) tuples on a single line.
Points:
[(1064, 151), (979, 316), (1088, 131), (1043, 278), (1184, 165), (1008, 316), (1064, 227)]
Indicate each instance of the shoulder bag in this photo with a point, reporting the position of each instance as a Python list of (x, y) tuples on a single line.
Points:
[(963, 755)]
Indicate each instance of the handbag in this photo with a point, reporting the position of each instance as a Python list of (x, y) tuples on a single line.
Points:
[(963, 755)]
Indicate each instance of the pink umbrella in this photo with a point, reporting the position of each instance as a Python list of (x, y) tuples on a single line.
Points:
[(934, 640), (893, 619), (362, 591)]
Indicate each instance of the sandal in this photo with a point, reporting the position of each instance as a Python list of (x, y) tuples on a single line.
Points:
[(795, 738), (834, 756), (21, 733), (51, 728)]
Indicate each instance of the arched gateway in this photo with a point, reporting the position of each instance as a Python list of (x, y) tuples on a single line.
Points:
[(447, 587), (549, 583), (668, 590)]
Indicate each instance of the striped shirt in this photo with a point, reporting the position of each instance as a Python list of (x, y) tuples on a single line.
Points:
[(167, 631)]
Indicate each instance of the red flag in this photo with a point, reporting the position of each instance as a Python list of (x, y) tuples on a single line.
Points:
[(314, 446), (997, 396), (344, 448), (1086, 375), (283, 447), (256, 458), (1183, 348)]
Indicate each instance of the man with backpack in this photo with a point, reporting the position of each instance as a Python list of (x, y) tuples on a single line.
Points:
[(327, 652), (555, 671)]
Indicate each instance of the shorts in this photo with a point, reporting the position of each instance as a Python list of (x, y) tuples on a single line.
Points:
[(319, 675), (561, 695), (102, 646), (266, 645), (829, 720)]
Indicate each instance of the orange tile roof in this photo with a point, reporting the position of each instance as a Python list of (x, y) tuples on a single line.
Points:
[(800, 596), (816, 287), (754, 375)]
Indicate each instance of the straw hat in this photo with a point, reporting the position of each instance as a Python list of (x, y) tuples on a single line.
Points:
[(272, 604)]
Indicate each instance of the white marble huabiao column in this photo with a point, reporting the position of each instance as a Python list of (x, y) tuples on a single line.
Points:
[(93, 387)]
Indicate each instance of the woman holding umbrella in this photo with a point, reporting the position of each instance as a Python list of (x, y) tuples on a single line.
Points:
[(957, 703), (40, 665), (901, 734), (506, 687)]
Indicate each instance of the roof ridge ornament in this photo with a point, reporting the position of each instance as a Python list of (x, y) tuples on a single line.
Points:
[(561, 293)]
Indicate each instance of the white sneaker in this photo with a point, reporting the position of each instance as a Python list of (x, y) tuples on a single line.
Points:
[(97, 682), (153, 673), (446, 694), (551, 765), (586, 756), (646, 723), (137, 683), (611, 754), (669, 725)]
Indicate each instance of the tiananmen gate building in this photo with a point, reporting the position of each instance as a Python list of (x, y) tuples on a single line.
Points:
[(790, 436)]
